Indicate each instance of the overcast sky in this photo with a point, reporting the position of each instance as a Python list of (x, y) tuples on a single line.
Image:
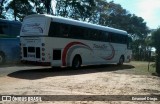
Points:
[(149, 10)]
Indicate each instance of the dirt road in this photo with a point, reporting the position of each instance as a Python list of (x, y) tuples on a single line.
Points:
[(94, 80)]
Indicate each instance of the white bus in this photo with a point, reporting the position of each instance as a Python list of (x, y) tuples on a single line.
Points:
[(65, 42)]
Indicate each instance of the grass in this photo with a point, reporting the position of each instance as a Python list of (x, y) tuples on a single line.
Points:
[(142, 67)]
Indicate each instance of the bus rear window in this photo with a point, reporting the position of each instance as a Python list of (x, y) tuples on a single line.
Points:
[(34, 26), (31, 49)]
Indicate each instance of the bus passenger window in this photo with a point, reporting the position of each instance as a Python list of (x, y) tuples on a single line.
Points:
[(65, 30), (4, 29), (15, 30), (51, 30)]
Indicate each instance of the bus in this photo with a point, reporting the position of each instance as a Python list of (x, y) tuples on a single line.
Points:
[(9, 43), (63, 42)]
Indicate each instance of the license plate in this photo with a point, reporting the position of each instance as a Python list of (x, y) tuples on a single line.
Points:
[(31, 55)]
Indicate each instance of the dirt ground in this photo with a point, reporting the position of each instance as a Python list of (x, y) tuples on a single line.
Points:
[(92, 80)]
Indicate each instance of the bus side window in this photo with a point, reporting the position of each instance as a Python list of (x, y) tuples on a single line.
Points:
[(105, 36), (73, 31), (1, 29), (77, 32), (59, 29), (129, 41), (14, 30), (98, 35), (87, 34), (4, 29), (65, 30), (56, 29), (109, 37), (52, 31)]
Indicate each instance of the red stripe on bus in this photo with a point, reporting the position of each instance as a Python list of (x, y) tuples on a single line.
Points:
[(68, 46), (112, 55)]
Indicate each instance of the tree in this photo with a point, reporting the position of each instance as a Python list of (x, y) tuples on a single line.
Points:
[(20, 8), (113, 15), (2, 8), (156, 44), (81, 10), (76, 9), (38, 6), (99, 12), (62, 7), (47, 4)]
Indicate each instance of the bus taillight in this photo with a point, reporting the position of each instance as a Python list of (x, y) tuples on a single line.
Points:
[(43, 59), (43, 49), (43, 54), (43, 44)]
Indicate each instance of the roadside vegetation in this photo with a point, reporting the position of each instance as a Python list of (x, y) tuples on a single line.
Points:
[(142, 67)]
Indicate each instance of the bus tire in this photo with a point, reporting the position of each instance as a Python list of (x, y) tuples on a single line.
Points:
[(121, 60), (76, 63), (2, 57)]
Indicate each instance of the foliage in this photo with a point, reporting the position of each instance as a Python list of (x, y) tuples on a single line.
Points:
[(156, 43), (113, 15), (2, 8), (76, 9), (20, 8), (141, 68), (38, 6)]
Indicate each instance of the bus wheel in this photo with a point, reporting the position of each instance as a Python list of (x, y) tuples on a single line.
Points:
[(76, 63), (121, 60), (2, 58)]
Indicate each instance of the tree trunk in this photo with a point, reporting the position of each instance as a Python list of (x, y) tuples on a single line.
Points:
[(15, 10)]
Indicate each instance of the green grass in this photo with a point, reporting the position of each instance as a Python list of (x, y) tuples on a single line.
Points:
[(142, 67)]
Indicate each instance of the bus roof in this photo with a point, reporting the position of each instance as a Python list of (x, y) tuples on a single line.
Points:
[(5, 20), (78, 23)]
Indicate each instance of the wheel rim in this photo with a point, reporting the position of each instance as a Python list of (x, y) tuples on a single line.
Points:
[(76, 63), (121, 61)]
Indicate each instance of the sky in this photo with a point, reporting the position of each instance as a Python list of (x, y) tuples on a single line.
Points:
[(149, 10)]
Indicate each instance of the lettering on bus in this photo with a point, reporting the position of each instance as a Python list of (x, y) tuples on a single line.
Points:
[(35, 27), (102, 47)]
